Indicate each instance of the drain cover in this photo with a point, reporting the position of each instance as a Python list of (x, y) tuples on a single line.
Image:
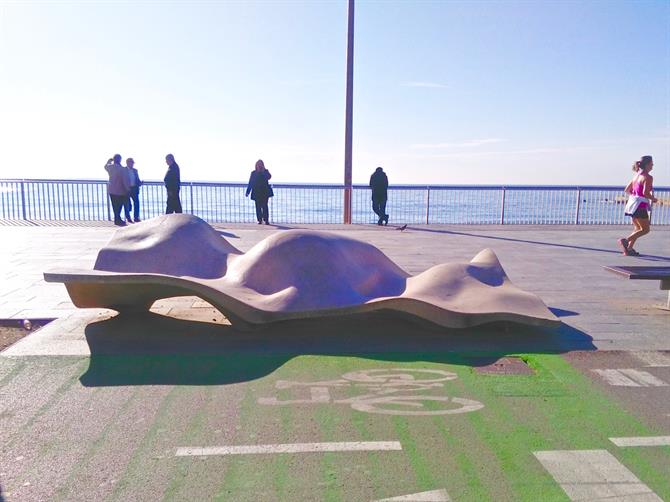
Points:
[(506, 366)]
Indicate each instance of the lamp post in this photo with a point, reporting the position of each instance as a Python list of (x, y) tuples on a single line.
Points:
[(349, 114)]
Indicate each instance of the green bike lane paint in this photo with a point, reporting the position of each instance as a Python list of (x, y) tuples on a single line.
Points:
[(470, 434)]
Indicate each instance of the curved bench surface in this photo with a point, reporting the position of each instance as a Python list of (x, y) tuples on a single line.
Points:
[(291, 275)]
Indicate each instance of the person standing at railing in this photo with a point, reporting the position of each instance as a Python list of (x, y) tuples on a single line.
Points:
[(118, 186), (379, 183), (134, 193), (172, 182), (261, 191), (640, 196)]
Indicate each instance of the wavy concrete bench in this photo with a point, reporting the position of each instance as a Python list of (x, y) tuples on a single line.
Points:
[(294, 274)]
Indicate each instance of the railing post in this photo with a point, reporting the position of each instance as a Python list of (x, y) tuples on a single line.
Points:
[(502, 207), (109, 211), (190, 185), (579, 201), (23, 201), (427, 205)]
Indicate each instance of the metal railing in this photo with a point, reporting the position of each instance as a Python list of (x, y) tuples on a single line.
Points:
[(43, 199)]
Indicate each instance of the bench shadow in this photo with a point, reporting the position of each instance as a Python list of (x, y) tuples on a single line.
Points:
[(151, 349)]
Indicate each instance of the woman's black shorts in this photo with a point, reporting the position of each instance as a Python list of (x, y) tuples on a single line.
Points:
[(641, 213)]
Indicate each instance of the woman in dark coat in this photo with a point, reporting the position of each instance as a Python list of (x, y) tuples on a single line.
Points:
[(172, 182), (260, 191)]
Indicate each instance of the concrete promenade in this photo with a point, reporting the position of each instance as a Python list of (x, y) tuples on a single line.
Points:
[(561, 264)]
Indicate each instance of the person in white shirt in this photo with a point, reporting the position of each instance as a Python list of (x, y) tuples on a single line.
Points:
[(133, 201), (118, 186)]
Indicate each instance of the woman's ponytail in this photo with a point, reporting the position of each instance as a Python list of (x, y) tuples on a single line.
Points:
[(641, 165)]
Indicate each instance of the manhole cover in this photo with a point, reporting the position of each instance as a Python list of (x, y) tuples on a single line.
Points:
[(506, 366)]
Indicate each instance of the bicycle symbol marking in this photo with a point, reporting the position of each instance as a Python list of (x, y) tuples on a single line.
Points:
[(385, 391)]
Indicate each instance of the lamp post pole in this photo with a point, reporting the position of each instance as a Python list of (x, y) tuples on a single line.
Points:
[(349, 114)]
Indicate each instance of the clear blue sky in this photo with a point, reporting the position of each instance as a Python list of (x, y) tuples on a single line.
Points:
[(445, 92)]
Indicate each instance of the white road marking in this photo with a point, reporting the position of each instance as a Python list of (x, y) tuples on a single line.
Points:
[(431, 496), (630, 378), (375, 405), (594, 475), (191, 451), (644, 378), (615, 377), (386, 391), (642, 441), (320, 394), (653, 359)]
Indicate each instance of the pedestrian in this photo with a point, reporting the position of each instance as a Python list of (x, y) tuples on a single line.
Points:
[(260, 191), (118, 187), (379, 184), (172, 185), (133, 201), (640, 196)]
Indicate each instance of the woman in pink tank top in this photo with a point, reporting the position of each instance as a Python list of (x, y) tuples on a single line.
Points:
[(642, 185)]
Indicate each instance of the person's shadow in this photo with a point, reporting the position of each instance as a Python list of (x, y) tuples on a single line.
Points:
[(613, 251), (151, 349)]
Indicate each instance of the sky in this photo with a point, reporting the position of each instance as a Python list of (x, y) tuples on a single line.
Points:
[(445, 92)]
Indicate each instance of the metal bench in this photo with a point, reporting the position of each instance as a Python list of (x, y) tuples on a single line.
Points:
[(648, 274)]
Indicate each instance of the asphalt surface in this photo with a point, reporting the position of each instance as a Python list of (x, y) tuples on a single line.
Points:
[(96, 406)]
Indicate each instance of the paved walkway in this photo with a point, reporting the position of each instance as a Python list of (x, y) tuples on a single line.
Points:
[(563, 265)]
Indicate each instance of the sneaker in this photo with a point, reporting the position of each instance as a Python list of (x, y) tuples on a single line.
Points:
[(632, 252), (137, 220), (623, 243), (120, 223), (267, 222)]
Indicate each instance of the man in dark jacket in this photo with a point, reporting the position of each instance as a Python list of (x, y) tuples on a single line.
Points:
[(172, 185), (379, 184)]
